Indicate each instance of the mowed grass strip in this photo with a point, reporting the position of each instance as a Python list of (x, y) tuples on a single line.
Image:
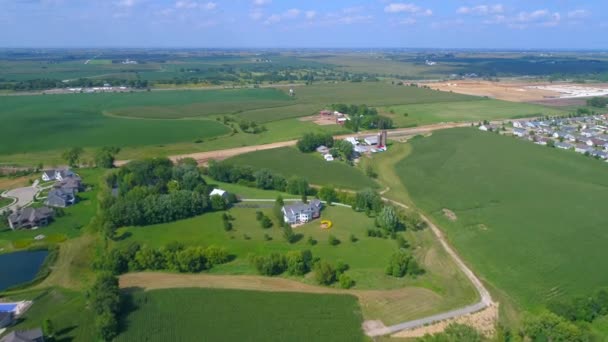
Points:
[(288, 161), (50, 122), (530, 219), (475, 110), (234, 315)]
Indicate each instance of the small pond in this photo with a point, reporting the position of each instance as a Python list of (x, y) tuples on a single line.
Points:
[(20, 267)]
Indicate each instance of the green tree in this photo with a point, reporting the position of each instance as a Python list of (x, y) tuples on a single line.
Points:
[(218, 202), (325, 273), (328, 194), (72, 156), (345, 281), (333, 240), (278, 208), (388, 218), (298, 262)]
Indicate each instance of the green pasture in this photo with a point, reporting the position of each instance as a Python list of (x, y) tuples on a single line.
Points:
[(234, 315), (477, 110), (530, 219), (288, 161)]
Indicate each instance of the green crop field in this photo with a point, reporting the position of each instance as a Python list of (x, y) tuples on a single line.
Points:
[(39, 123), (530, 219), (289, 161), (477, 110), (184, 104), (231, 315)]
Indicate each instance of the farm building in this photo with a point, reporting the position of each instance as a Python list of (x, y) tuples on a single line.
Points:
[(302, 212), (30, 217), (371, 140)]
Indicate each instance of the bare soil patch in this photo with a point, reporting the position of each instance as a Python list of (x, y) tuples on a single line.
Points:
[(321, 120), (449, 214), (483, 321), (508, 91)]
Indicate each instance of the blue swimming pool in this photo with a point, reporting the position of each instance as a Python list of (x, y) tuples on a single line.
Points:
[(7, 307)]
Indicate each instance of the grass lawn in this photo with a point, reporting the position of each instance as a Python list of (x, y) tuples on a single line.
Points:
[(233, 315), (530, 219), (248, 192), (289, 161), (477, 110), (5, 201), (47, 120), (62, 228), (67, 310)]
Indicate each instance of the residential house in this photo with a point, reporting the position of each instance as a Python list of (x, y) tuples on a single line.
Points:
[(594, 142), (587, 133), (61, 198), (563, 145), (30, 217), (519, 132), (541, 141), (582, 148), (72, 184), (302, 212), (61, 174), (6, 319), (34, 335), (219, 192)]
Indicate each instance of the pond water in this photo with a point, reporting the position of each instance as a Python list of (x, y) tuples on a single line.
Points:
[(20, 267)]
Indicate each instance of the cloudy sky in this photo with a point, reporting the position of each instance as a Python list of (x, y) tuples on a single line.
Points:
[(311, 23)]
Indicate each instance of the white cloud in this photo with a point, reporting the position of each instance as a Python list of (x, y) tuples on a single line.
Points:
[(397, 7), (310, 15), (292, 13), (482, 9), (578, 14), (261, 2), (127, 3), (256, 14), (189, 4)]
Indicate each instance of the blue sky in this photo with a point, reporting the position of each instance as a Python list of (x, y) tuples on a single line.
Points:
[(314, 23)]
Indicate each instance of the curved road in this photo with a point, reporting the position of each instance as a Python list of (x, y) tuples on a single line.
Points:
[(484, 294), (23, 196)]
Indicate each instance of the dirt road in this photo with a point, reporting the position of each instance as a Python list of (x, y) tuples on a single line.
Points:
[(203, 157)]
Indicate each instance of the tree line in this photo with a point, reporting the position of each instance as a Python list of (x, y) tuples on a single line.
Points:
[(152, 191)]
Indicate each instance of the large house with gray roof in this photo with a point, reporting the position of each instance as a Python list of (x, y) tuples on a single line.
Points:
[(30, 217), (61, 198), (302, 212), (34, 335)]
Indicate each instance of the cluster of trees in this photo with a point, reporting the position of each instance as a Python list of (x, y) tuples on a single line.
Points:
[(296, 263), (585, 309), (599, 102), (262, 179), (327, 274), (264, 220), (104, 157), (251, 127), (455, 333), (154, 191), (310, 141), (363, 117), (402, 263), (45, 83), (547, 326), (104, 299), (174, 257)]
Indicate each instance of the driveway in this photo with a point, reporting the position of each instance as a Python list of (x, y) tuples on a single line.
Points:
[(23, 196)]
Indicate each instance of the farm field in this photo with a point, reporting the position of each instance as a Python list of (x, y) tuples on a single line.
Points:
[(289, 161), (53, 122), (529, 219), (233, 315), (477, 110)]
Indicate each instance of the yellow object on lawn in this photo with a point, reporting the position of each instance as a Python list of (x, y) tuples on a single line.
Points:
[(326, 224)]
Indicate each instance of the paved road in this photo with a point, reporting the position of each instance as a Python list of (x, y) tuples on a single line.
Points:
[(23, 196)]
